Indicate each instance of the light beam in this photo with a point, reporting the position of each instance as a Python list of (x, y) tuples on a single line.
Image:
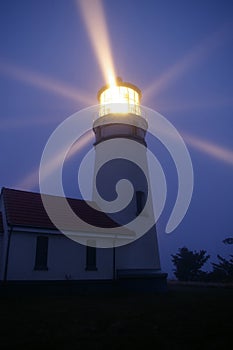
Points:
[(192, 58), (43, 82), (205, 102), (94, 19), (16, 123), (32, 179), (218, 152)]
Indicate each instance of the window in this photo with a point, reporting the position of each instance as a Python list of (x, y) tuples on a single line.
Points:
[(91, 256), (41, 253), (139, 201)]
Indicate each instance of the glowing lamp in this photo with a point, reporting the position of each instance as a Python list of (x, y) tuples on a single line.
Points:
[(119, 98)]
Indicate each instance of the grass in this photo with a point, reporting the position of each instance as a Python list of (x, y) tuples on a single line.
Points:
[(184, 318)]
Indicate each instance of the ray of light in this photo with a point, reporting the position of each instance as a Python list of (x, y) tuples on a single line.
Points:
[(192, 58), (218, 152), (94, 19), (32, 180), (16, 123), (29, 182), (43, 82), (185, 105)]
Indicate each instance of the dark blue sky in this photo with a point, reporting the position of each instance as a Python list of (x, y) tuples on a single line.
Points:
[(179, 53)]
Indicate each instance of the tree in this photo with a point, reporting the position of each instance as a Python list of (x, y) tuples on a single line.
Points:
[(223, 271), (228, 240), (188, 264)]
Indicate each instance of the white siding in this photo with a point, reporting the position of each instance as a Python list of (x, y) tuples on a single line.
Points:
[(1, 256), (140, 254), (66, 259)]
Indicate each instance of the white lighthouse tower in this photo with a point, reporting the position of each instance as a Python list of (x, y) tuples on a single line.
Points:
[(122, 125)]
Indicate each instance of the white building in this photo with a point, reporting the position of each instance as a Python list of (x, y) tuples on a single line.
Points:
[(33, 249)]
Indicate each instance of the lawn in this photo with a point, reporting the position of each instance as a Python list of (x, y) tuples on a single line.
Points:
[(184, 318)]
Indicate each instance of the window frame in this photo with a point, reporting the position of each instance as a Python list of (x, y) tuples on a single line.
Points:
[(41, 254)]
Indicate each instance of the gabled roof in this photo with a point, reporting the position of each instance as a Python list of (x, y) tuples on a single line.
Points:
[(26, 209)]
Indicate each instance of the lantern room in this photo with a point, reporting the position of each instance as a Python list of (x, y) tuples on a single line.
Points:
[(119, 98), (120, 113)]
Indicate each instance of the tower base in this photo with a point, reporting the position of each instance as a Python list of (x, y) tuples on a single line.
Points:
[(132, 281), (142, 280)]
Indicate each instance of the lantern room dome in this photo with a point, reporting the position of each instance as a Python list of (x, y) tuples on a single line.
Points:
[(120, 98), (119, 82)]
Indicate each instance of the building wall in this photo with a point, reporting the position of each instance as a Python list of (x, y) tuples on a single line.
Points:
[(66, 259), (4, 236), (1, 256), (140, 254)]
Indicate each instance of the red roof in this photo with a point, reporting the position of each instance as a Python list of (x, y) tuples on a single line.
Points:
[(26, 209)]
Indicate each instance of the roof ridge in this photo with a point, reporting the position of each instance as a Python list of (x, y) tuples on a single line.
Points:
[(7, 189), (25, 208)]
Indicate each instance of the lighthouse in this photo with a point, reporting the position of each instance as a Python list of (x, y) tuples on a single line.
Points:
[(121, 125)]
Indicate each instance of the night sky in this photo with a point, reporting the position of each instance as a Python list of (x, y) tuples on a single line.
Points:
[(179, 53)]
